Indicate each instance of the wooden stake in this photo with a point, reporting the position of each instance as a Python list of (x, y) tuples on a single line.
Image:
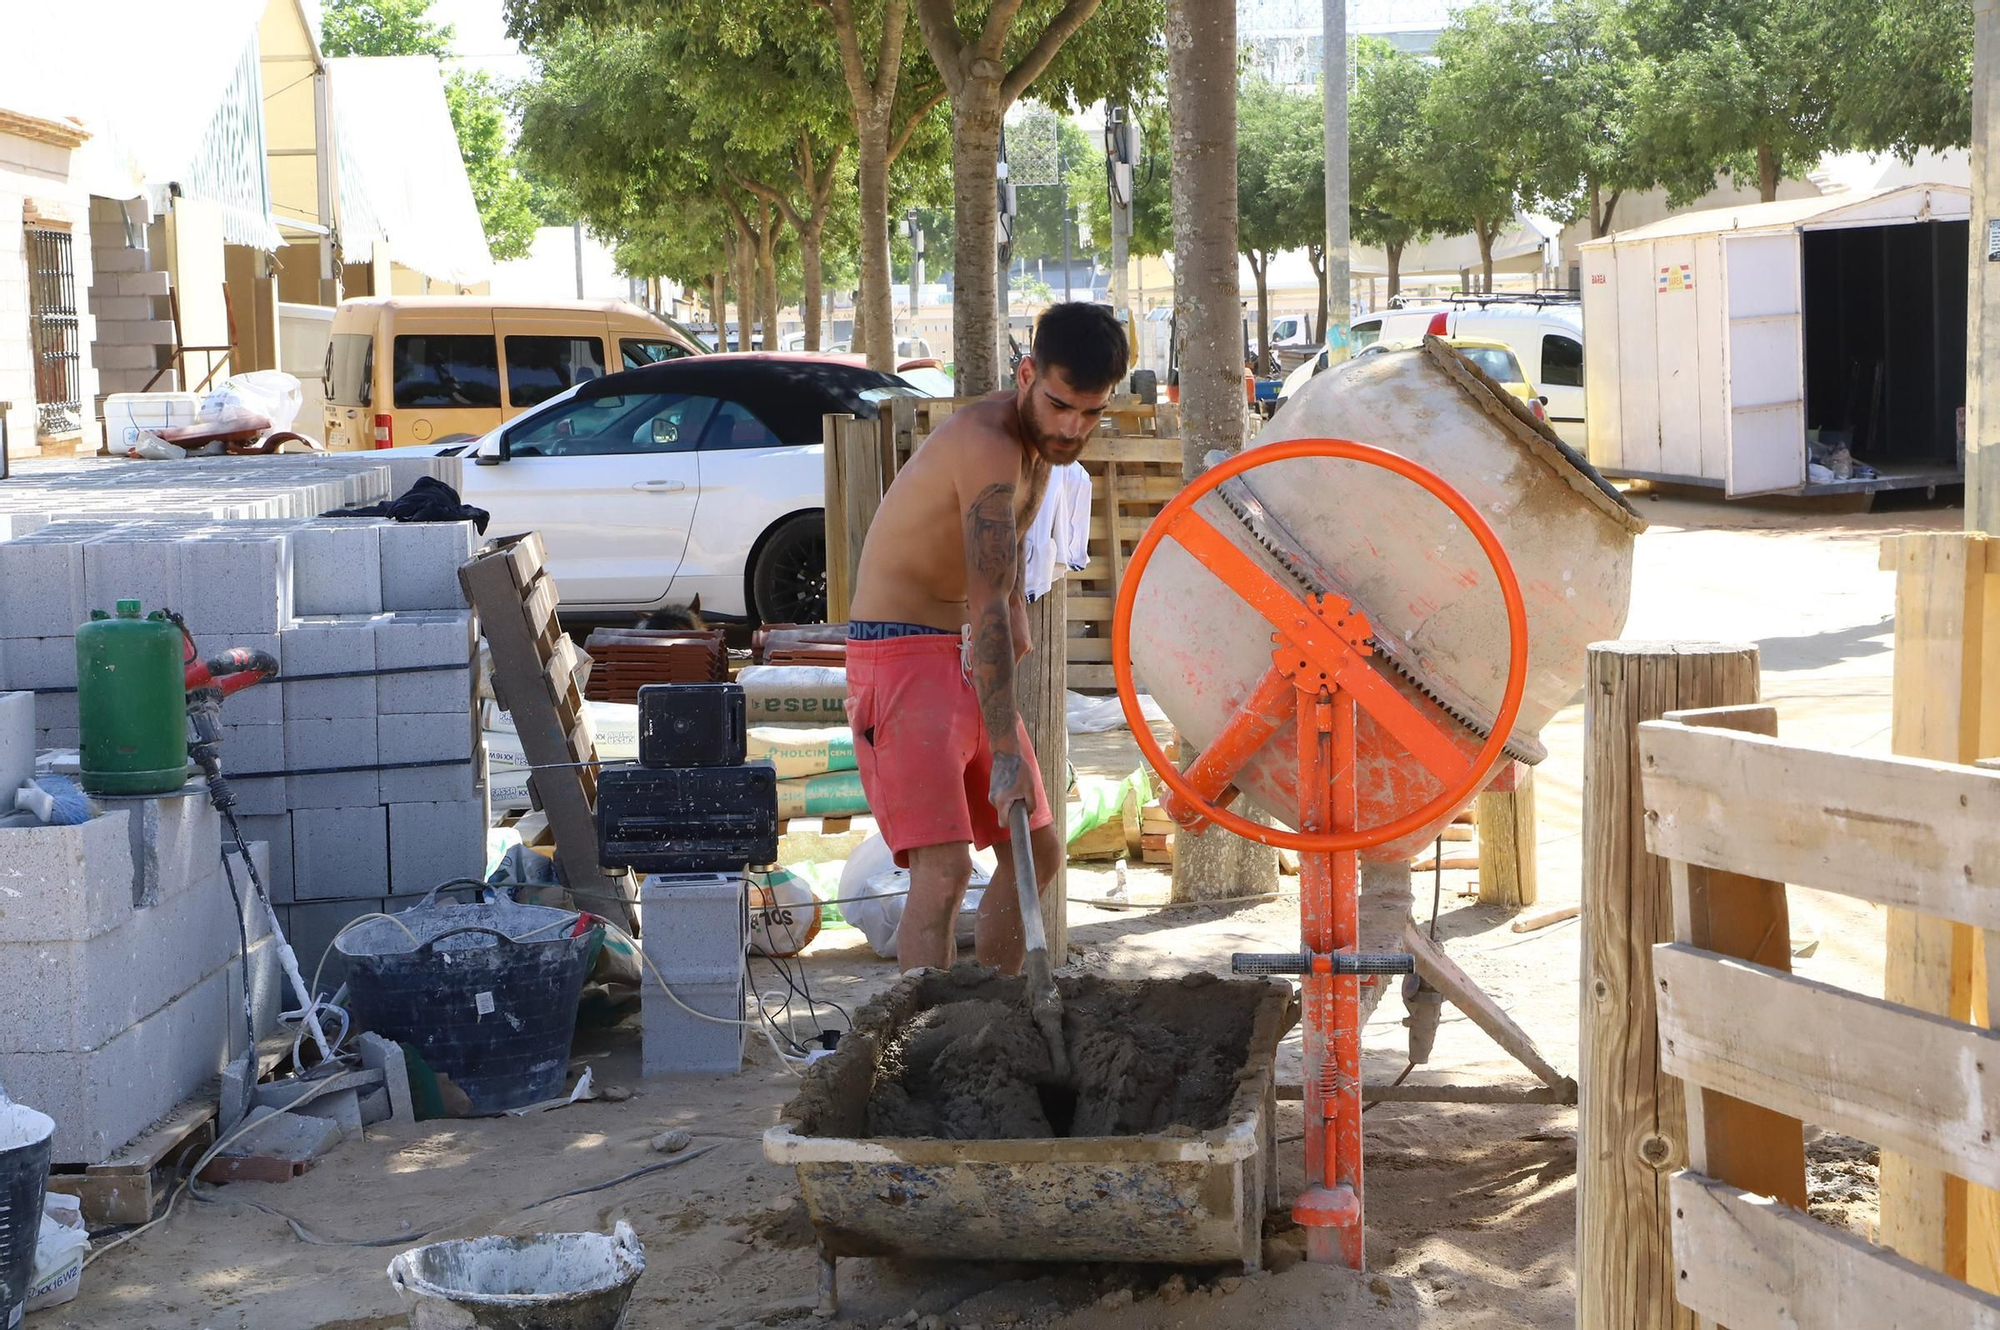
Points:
[(1506, 822), (1631, 1119), (1945, 708), (839, 589), (1040, 690)]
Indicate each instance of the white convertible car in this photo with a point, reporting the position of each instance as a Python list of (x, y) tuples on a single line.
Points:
[(694, 477)]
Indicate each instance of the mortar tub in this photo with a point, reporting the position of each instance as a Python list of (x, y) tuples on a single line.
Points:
[(1407, 564), (1160, 1198)]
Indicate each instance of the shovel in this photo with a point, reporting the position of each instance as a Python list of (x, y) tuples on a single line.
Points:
[(1044, 1003)]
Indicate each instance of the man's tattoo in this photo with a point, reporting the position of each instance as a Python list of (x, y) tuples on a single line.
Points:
[(993, 559), (990, 547)]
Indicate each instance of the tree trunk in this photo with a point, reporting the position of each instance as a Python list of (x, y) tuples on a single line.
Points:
[(1201, 93), (767, 275), (1395, 280), (1316, 256), (746, 285), (976, 115), (874, 319), (1486, 234), (1596, 227), (1603, 224), (1260, 268), (1767, 173), (811, 298), (718, 305)]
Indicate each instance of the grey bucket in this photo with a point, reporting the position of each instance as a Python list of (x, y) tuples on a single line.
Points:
[(551, 1281), (25, 1140)]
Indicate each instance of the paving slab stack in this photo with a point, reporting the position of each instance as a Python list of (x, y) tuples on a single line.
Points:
[(393, 795)]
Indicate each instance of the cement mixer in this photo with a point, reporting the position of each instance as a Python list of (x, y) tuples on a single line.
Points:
[(1356, 621)]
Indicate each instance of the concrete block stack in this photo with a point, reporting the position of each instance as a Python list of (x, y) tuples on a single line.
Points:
[(697, 931), (112, 1012), (238, 547)]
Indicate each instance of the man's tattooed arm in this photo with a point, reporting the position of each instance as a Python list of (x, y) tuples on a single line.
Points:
[(993, 573)]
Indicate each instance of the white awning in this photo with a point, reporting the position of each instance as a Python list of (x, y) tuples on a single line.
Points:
[(401, 177), (171, 91)]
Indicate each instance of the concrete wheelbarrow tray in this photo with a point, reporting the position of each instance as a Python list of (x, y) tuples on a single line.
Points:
[(1176, 1197)]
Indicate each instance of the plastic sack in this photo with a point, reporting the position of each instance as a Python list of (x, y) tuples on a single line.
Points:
[(873, 891), (614, 727), (270, 393), (1096, 715), (784, 915), (60, 1247)]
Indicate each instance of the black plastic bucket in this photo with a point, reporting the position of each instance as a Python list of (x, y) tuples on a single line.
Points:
[(486, 993), (25, 1140)]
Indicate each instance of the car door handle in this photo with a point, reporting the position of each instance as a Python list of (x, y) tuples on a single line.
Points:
[(659, 486)]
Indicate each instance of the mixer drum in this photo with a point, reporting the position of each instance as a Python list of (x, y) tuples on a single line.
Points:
[(1406, 563)]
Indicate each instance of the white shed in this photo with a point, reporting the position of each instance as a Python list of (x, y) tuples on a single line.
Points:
[(1723, 345)]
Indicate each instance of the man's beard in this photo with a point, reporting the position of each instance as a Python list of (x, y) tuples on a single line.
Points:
[(1054, 448)]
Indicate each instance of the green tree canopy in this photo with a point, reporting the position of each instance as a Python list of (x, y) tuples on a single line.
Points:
[(1280, 197)]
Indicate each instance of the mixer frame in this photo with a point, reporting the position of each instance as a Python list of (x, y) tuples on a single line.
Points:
[(1320, 677)]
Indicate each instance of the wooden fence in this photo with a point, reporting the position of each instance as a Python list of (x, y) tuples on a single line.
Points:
[(1761, 1050)]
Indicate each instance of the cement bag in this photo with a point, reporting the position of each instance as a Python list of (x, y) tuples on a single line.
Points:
[(784, 914), (57, 1276), (614, 726), (795, 694), (270, 393), (835, 794), (802, 752), (873, 891)]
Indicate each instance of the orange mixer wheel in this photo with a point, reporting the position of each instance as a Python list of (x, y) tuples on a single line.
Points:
[(1361, 838)]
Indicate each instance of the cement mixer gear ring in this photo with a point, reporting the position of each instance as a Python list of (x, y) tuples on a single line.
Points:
[(1288, 553), (1490, 753)]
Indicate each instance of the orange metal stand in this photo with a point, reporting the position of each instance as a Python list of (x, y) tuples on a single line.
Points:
[(1319, 679)]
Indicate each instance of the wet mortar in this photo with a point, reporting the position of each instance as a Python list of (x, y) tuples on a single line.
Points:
[(954, 1056)]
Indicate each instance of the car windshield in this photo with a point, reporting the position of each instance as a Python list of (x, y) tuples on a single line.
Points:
[(1495, 362), (689, 333), (598, 426)]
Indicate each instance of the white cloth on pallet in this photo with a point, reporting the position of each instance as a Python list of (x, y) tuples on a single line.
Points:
[(1058, 536)]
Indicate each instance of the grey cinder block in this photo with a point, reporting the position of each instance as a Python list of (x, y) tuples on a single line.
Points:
[(386, 1056), (60, 884), (345, 742), (41, 588), (329, 644), (696, 924), (420, 563), (311, 928), (236, 582), (140, 564), (339, 854), (431, 843), (446, 738), (37, 662), (677, 1043), (337, 567), (275, 833), (424, 638)]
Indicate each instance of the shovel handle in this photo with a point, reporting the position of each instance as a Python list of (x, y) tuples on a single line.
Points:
[(1032, 931)]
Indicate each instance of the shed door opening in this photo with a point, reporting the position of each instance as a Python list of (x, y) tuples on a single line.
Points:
[(1885, 345)]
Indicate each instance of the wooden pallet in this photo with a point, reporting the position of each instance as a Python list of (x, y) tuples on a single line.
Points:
[(535, 669), (133, 1184), (1761, 1050)]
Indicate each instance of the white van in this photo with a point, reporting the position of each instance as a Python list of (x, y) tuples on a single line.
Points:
[(1544, 332)]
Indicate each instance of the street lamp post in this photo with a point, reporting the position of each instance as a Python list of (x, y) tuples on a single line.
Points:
[(916, 266)]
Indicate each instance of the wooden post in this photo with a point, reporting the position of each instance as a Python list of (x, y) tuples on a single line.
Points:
[(1506, 826), (1039, 690), (839, 590), (861, 472), (1946, 706), (1631, 1117)]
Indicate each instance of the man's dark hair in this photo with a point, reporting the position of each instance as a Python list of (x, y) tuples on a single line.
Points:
[(1086, 340)]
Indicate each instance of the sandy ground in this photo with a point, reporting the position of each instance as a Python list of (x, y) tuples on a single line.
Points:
[(1471, 1210)]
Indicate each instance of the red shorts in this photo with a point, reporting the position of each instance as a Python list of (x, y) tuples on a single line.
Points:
[(921, 746)]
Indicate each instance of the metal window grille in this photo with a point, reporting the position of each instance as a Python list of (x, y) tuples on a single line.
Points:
[(56, 332)]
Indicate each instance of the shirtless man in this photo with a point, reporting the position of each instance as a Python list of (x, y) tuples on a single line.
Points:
[(938, 624)]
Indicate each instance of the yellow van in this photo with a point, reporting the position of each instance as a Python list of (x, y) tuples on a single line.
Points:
[(430, 369)]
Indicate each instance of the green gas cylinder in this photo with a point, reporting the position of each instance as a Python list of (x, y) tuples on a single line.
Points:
[(131, 702)]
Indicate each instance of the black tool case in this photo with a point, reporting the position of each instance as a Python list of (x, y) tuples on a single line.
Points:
[(692, 725), (687, 819)]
